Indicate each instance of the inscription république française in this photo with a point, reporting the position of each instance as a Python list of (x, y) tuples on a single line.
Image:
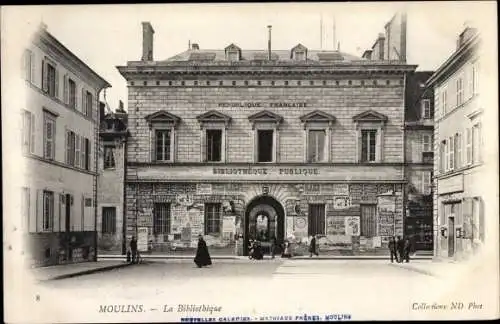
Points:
[(264, 171), (260, 104)]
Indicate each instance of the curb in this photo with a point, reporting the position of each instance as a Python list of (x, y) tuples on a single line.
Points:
[(90, 271), (215, 257)]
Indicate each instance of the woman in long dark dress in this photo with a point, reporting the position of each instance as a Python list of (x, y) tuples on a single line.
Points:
[(202, 257)]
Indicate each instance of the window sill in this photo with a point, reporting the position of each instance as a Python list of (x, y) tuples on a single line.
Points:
[(458, 170)]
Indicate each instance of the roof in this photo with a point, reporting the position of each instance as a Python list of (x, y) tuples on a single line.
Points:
[(250, 55)]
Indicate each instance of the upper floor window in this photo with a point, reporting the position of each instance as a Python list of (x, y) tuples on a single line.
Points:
[(426, 109), (444, 100), (108, 220), (442, 156), (87, 104), (458, 150), (427, 143), (460, 91), (214, 145), (50, 80), (426, 182), (451, 153), (476, 143), (109, 157), (77, 150), (70, 92), (265, 144), (163, 148), (28, 65), (473, 79), (233, 56), (28, 133), (48, 210), (49, 131), (266, 135), (468, 145), (316, 146), (368, 145), (300, 56)]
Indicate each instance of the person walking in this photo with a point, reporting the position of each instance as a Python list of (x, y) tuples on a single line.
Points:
[(400, 247), (392, 249), (273, 247), (406, 250), (133, 249), (202, 257), (312, 247), (286, 250)]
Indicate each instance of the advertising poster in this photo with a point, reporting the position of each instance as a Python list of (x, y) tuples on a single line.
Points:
[(335, 225), (142, 239), (352, 226)]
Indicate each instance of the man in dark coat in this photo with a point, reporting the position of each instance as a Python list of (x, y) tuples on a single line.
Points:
[(202, 257), (406, 249), (133, 249), (400, 245), (392, 249), (312, 247), (273, 247)]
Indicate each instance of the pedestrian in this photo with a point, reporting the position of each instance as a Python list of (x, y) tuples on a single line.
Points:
[(400, 247), (257, 251), (273, 247), (133, 249), (202, 257), (406, 249), (312, 247), (286, 250), (392, 249)]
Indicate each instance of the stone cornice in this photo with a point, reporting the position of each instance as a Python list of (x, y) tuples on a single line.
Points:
[(148, 69)]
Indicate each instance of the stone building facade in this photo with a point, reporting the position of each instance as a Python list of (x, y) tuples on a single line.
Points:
[(235, 144), (59, 136), (113, 136), (460, 172)]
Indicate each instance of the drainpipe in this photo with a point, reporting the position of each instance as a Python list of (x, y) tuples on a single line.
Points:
[(124, 221)]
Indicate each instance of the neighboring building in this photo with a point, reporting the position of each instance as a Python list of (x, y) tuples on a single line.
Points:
[(419, 152), (59, 137), (284, 143), (459, 207), (111, 186)]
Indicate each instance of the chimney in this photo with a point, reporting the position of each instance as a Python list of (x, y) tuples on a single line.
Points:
[(147, 41), (269, 43), (195, 46), (120, 106), (367, 54), (380, 43)]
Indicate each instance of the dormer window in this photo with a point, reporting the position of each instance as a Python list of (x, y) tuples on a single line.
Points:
[(299, 53), (233, 53)]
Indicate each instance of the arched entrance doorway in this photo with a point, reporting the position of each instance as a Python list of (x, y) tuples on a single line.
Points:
[(264, 218)]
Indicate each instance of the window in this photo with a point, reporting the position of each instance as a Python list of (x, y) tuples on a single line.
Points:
[(163, 145), (316, 223), (426, 109), (300, 56), (108, 220), (368, 145), (70, 147), (460, 91), (28, 65), (426, 182), (468, 145), (368, 220), (444, 98), (77, 151), (72, 93), (232, 56), (212, 219), (48, 210), (458, 150), (28, 136), (86, 153), (476, 143), (475, 78), (49, 136), (316, 146), (451, 152), (109, 157), (427, 143), (49, 81), (214, 145), (265, 145), (88, 104), (477, 219), (161, 218)]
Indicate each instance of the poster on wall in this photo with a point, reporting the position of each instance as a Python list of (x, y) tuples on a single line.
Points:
[(386, 204), (341, 202), (186, 233), (228, 227), (352, 225), (203, 188), (376, 241), (289, 226), (142, 239), (335, 225)]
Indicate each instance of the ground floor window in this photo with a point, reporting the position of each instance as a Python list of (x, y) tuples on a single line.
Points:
[(212, 218), (109, 220), (161, 218), (368, 220), (316, 219)]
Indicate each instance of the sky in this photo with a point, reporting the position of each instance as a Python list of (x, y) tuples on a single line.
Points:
[(106, 36)]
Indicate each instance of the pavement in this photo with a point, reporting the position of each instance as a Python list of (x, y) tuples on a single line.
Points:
[(64, 271)]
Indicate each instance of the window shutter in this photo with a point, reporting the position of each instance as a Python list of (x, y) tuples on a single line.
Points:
[(77, 150), (83, 155), (48, 138), (68, 147), (468, 145), (467, 211), (33, 67), (32, 142), (66, 89), (39, 210), (89, 154), (56, 83), (90, 111), (204, 141), (153, 144), (45, 80)]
